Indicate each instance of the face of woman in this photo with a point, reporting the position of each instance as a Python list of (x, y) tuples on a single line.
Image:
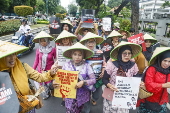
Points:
[(148, 43), (65, 41), (65, 27), (126, 55), (43, 42), (115, 39), (90, 44), (77, 56), (85, 32), (11, 60), (165, 63)]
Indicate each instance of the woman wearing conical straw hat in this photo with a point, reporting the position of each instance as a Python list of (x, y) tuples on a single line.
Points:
[(157, 80), (77, 53), (20, 73), (114, 36), (66, 25), (64, 39), (149, 41), (44, 58), (122, 66), (97, 62)]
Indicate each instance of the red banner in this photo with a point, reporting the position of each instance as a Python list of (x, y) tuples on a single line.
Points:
[(138, 39)]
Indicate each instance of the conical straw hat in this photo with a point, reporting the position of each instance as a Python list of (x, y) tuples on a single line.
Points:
[(156, 53), (78, 46), (8, 48), (90, 35), (82, 28), (65, 34), (149, 37), (136, 49), (114, 33), (127, 32), (42, 34), (67, 22)]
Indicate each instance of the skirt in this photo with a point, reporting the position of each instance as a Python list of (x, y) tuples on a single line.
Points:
[(32, 111), (107, 108), (142, 109), (74, 108)]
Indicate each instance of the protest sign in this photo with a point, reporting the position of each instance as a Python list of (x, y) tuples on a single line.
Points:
[(60, 58), (87, 18), (138, 39), (8, 99), (127, 95), (106, 24), (96, 63), (55, 25), (67, 81)]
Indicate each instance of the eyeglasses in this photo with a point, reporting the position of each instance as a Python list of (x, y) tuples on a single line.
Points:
[(125, 54)]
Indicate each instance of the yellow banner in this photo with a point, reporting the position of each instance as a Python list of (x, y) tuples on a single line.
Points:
[(67, 81)]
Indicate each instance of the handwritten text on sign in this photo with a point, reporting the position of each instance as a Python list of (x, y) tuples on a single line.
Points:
[(128, 88), (67, 81)]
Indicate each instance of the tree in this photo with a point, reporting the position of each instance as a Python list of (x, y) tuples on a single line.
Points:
[(90, 4), (60, 9), (23, 10), (72, 9), (51, 5), (4, 5), (135, 15), (40, 6), (104, 11), (166, 4), (114, 3)]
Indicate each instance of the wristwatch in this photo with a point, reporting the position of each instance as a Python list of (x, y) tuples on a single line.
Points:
[(84, 82)]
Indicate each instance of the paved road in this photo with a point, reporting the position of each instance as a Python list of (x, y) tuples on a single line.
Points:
[(52, 105)]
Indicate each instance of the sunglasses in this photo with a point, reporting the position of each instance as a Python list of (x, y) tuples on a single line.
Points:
[(125, 54)]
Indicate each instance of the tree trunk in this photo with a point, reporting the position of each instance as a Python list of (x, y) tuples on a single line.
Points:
[(135, 15)]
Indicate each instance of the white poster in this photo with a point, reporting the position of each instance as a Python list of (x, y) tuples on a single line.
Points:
[(106, 24), (127, 95), (60, 58)]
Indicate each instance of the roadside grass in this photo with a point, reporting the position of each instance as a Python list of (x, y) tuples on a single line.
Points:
[(37, 25)]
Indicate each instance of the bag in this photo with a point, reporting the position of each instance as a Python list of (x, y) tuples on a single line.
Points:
[(152, 106), (107, 94), (98, 84)]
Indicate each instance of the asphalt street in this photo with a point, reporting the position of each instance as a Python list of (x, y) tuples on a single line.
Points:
[(53, 104)]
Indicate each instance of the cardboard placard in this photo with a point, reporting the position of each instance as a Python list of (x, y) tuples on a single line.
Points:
[(106, 24), (67, 81), (55, 25), (127, 95), (8, 99), (87, 18)]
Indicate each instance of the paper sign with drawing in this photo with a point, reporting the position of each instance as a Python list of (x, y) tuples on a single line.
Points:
[(127, 95), (67, 81), (60, 58)]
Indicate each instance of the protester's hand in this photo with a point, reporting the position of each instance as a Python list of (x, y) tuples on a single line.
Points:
[(166, 85), (55, 84), (142, 84), (95, 25), (79, 84), (101, 75), (81, 22), (54, 69), (112, 87)]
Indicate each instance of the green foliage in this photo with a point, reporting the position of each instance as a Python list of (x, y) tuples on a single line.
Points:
[(104, 11), (125, 24), (23, 10), (166, 4), (114, 3), (42, 22), (72, 9), (52, 6), (40, 6), (149, 30), (4, 5), (8, 26), (125, 12), (60, 9)]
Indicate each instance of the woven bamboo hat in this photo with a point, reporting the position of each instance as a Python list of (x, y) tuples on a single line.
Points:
[(65, 34), (78, 46), (136, 49), (90, 35), (117, 24), (42, 34), (127, 32), (8, 48), (67, 22), (82, 29), (156, 53), (114, 33), (149, 37)]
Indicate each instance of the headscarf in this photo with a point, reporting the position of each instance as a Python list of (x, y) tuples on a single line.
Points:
[(19, 75), (81, 62), (45, 51), (119, 63), (148, 53), (159, 60)]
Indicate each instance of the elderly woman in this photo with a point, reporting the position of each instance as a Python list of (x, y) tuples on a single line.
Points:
[(157, 80), (77, 53), (44, 59), (97, 63), (122, 66), (20, 73)]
